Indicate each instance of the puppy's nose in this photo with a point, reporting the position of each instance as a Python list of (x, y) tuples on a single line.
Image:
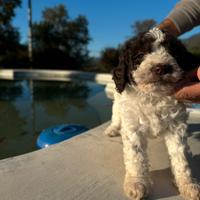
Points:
[(162, 69)]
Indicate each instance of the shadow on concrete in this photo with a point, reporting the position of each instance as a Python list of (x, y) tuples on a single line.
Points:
[(197, 136), (194, 163), (193, 128), (163, 181), (163, 184)]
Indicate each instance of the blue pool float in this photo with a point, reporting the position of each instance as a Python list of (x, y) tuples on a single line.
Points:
[(58, 133)]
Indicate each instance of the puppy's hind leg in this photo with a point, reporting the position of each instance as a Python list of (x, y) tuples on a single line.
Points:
[(114, 128), (177, 152)]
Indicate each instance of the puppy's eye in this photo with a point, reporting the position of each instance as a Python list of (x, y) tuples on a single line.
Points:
[(161, 69), (167, 69)]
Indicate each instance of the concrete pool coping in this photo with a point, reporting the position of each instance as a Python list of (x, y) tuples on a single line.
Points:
[(89, 167), (54, 75)]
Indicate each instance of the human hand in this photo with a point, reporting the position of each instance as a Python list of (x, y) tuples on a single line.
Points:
[(189, 88)]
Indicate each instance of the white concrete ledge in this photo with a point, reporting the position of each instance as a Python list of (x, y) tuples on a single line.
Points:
[(6, 74), (87, 167), (55, 75)]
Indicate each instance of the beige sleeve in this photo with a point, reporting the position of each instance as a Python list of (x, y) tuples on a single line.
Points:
[(185, 15)]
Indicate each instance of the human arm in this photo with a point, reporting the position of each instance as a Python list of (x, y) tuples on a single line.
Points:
[(183, 17)]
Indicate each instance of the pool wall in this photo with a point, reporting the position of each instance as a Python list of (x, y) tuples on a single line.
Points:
[(60, 75), (54, 75)]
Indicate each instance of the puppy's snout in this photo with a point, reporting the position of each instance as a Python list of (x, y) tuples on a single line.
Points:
[(161, 69)]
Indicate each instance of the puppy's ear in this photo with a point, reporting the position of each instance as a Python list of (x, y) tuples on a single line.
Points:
[(120, 75), (186, 60)]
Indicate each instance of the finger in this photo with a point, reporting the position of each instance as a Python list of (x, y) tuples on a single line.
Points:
[(191, 92)]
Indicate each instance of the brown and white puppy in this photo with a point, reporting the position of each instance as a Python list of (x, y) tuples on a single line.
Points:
[(150, 66)]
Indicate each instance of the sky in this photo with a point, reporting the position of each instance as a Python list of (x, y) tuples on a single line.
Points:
[(109, 20)]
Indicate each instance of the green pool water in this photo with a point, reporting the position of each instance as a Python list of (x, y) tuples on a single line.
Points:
[(27, 107)]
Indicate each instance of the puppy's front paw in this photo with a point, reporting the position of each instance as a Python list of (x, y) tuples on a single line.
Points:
[(190, 191), (135, 190), (112, 131)]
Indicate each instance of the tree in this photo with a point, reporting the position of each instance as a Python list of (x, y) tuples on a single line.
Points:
[(9, 36), (7, 10), (109, 59), (142, 26), (59, 41)]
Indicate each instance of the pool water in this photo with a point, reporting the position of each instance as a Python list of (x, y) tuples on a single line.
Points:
[(197, 106), (27, 107)]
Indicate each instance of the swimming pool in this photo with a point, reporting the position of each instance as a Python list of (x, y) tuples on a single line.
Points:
[(27, 107)]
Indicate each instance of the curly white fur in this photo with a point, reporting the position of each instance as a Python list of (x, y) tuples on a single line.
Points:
[(147, 109)]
